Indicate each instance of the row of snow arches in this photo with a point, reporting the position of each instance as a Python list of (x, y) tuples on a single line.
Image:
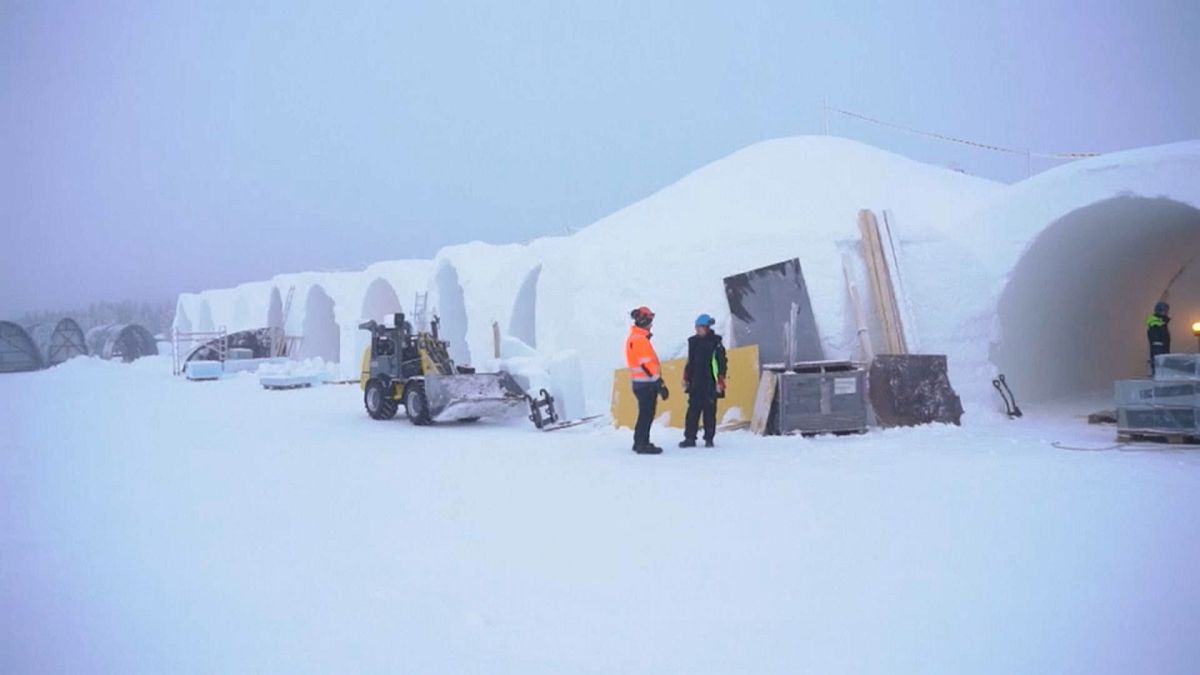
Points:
[(39, 346), (42, 345)]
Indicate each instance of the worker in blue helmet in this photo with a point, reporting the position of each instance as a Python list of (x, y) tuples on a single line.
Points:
[(1158, 332), (704, 382)]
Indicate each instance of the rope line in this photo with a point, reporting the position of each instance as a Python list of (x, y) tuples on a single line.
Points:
[(963, 141)]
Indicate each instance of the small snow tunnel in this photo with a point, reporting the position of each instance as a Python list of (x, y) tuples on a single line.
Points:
[(60, 342), (320, 329), (121, 341), (452, 310), (18, 353), (523, 322), (1072, 313)]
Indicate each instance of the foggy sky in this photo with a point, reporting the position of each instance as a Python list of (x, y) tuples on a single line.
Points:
[(155, 147)]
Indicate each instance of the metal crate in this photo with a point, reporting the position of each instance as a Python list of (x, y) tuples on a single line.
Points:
[(826, 401)]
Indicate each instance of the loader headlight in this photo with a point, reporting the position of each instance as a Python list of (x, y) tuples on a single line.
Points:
[(1196, 329)]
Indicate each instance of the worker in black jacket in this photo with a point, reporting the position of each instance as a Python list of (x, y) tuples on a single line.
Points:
[(704, 381), (1158, 331)]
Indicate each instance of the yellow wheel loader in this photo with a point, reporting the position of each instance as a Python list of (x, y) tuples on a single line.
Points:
[(415, 370)]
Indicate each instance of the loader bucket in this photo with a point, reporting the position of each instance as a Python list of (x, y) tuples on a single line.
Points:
[(457, 397)]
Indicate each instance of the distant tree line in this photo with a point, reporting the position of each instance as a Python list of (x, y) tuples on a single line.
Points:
[(156, 317)]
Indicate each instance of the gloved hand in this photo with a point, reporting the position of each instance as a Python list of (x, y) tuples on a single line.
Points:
[(685, 385), (721, 384), (664, 392)]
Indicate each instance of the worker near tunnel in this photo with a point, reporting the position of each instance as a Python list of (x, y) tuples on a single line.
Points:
[(1158, 332), (645, 373), (704, 381)]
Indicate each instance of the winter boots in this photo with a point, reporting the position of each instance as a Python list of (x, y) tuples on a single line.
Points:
[(647, 449)]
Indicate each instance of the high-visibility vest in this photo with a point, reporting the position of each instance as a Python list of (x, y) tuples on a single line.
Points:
[(640, 357)]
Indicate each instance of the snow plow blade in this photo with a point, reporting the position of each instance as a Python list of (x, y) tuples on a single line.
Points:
[(460, 397)]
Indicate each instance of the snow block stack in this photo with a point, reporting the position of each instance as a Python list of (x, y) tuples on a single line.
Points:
[(1164, 406)]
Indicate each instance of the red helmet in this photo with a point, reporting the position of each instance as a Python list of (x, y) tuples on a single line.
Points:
[(642, 316)]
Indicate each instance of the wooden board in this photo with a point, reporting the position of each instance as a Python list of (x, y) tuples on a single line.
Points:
[(881, 284), (741, 384), (768, 384)]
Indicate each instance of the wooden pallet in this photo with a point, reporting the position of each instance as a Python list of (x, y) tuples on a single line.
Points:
[(1166, 438)]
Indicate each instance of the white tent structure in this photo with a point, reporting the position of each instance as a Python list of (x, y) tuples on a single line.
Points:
[(1060, 267)]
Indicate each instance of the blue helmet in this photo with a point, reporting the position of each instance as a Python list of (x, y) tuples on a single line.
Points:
[(1162, 308), (705, 320)]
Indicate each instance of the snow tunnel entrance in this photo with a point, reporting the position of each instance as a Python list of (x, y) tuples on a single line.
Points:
[(182, 323), (523, 322), (452, 310), (379, 302), (275, 310), (1072, 314), (320, 329), (204, 320)]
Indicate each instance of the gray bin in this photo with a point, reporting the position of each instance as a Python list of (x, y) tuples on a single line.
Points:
[(822, 402)]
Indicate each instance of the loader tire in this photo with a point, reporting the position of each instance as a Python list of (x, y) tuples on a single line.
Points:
[(416, 406), (377, 399)]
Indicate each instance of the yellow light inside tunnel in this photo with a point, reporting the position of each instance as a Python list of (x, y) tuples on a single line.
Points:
[(1196, 328)]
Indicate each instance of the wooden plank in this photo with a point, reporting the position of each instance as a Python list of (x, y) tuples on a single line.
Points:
[(881, 283), (768, 382)]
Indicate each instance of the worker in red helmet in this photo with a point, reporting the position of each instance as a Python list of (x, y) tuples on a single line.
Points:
[(645, 373)]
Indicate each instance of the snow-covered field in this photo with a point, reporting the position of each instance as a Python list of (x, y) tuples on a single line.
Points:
[(152, 525)]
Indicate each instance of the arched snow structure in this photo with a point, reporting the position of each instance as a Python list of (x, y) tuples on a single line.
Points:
[(182, 323), (380, 301), (1071, 315), (18, 353), (57, 343), (522, 324), (320, 328), (124, 341), (204, 318), (452, 310), (275, 310)]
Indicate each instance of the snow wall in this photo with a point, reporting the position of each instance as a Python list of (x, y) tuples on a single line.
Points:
[(1062, 266)]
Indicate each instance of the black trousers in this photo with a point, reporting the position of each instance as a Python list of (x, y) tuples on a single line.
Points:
[(698, 406), (1157, 348), (647, 400)]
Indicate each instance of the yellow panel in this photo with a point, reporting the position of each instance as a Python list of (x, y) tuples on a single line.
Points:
[(741, 384)]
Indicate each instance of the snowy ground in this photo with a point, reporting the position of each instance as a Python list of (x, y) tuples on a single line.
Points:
[(151, 525)]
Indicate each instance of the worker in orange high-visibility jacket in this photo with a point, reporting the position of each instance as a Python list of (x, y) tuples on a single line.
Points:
[(645, 373)]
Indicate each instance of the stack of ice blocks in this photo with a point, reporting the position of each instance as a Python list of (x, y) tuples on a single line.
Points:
[(1165, 405)]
